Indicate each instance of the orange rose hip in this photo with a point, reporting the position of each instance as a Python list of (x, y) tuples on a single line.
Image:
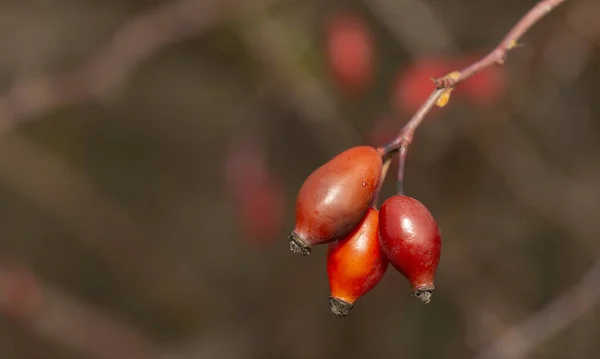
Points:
[(355, 264), (335, 197)]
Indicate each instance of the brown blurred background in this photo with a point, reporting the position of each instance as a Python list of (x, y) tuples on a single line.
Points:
[(151, 151)]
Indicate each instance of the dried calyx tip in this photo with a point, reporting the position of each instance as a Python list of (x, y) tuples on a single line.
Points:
[(339, 307), (424, 293), (297, 245)]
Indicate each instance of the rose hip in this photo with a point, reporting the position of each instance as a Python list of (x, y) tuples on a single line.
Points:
[(335, 197), (411, 240), (355, 264)]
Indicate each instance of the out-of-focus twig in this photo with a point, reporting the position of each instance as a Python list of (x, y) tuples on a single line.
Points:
[(76, 326), (101, 225), (278, 45), (79, 327), (136, 40), (415, 23), (145, 34), (542, 187), (63, 191), (549, 320)]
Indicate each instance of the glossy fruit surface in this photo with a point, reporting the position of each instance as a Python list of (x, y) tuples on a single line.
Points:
[(335, 197), (350, 51), (355, 264), (411, 240)]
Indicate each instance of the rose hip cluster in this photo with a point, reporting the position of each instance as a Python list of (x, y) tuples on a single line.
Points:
[(336, 205)]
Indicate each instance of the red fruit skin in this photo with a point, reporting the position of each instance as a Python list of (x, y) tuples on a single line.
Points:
[(355, 263), (411, 240), (350, 52), (334, 198)]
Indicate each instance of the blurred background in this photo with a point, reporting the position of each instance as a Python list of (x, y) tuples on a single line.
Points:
[(151, 151)]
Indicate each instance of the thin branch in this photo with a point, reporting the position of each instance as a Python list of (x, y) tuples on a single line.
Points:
[(406, 19), (280, 46), (445, 84), (510, 41), (401, 165), (535, 183), (549, 320), (102, 226), (137, 40), (80, 327), (76, 326)]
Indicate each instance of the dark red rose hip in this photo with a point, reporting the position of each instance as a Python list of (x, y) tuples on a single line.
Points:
[(411, 240)]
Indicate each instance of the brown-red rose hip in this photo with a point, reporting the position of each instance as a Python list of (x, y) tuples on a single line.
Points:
[(355, 264), (411, 240), (335, 197)]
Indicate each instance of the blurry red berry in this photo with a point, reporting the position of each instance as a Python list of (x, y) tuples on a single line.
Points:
[(245, 165), (21, 295), (261, 211), (485, 87), (334, 198), (350, 51), (355, 264), (414, 85), (411, 240), (257, 193)]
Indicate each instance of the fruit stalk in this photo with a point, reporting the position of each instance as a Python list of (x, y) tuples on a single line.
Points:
[(401, 164), (387, 161)]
